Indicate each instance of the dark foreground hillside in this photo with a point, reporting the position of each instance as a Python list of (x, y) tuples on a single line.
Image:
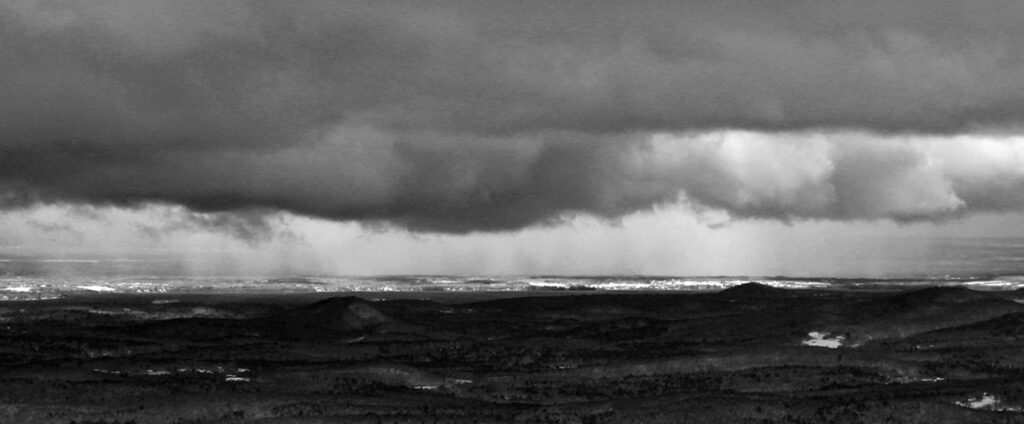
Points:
[(751, 354)]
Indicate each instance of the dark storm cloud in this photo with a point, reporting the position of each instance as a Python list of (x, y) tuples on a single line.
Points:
[(463, 116)]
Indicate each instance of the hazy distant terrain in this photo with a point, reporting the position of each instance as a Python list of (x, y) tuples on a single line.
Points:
[(751, 353)]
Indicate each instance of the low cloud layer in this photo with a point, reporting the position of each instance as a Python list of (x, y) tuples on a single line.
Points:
[(488, 116), (845, 176)]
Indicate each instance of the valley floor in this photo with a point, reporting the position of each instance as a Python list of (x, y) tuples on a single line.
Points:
[(749, 354)]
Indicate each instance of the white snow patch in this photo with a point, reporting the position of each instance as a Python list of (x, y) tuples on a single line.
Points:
[(985, 401), (157, 372), (821, 339), (988, 402), (235, 378), (96, 288), (18, 289)]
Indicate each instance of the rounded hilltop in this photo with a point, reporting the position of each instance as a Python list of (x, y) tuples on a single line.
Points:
[(347, 313), (752, 290)]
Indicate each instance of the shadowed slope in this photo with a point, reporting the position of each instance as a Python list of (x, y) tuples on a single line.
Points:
[(341, 314), (752, 291), (905, 314)]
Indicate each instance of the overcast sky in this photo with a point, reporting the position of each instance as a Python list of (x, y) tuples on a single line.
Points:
[(725, 137)]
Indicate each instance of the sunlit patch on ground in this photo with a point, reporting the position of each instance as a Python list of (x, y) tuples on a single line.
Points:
[(238, 375), (821, 339), (988, 402)]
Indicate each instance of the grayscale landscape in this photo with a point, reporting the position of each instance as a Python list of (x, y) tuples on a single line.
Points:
[(751, 353), (494, 211)]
